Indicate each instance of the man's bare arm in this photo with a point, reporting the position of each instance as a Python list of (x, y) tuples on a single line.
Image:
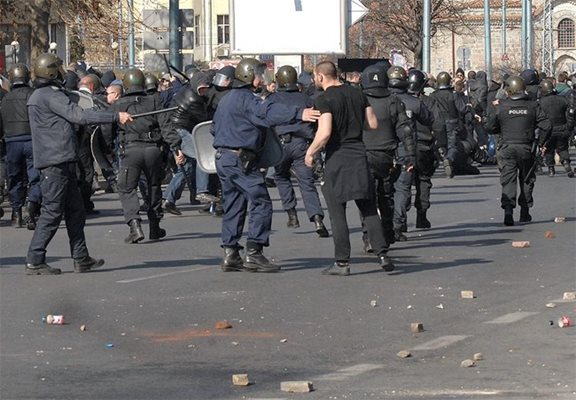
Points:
[(322, 136)]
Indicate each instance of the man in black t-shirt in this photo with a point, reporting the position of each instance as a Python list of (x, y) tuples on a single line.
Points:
[(344, 113)]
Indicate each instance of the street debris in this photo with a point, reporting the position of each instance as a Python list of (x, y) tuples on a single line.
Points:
[(478, 356), (467, 294), (234, 343), (53, 319), (409, 307), (283, 340), (569, 296), (417, 327), (296, 386), (467, 363), (240, 380), (560, 220), (83, 328), (549, 235), (521, 244), (109, 345), (374, 303), (223, 325), (440, 306), (404, 354), (564, 321), (550, 305)]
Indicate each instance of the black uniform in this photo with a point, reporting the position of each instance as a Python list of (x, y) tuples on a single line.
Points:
[(16, 133), (55, 147), (141, 151), (449, 112), (394, 127), (421, 176), (558, 110), (516, 120)]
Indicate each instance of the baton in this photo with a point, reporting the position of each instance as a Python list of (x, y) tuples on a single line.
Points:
[(179, 72), (146, 114)]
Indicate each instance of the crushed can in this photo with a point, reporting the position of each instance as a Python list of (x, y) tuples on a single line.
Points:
[(53, 319), (564, 322)]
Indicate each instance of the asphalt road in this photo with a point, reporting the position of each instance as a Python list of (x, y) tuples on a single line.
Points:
[(150, 312)]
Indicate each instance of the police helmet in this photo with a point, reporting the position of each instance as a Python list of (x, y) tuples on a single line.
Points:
[(287, 78), (443, 80), (516, 87), (133, 80), (19, 74), (374, 76), (416, 81), (530, 76), (151, 82), (247, 70), (224, 77), (547, 87), (397, 77), (48, 66)]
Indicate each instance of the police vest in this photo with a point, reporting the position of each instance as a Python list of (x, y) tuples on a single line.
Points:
[(384, 137), (517, 120), (15, 113), (555, 108)]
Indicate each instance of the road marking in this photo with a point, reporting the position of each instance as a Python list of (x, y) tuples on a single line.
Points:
[(443, 341), (145, 278), (349, 372), (512, 317)]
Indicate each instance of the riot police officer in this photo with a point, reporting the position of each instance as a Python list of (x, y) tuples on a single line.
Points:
[(449, 111), (141, 145), (239, 127), (52, 118), (295, 138), (394, 127), (515, 120), (558, 110), (18, 139)]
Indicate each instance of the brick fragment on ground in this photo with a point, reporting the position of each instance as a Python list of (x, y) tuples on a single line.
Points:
[(467, 363), (417, 327), (549, 235), (467, 294), (569, 296), (560, 220), (222, 325), (521, 243), (404, 354), (240, 380), (296, 386), (478, 356)]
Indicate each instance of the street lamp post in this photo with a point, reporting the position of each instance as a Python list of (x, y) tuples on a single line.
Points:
[(15, 49), (114, 46)]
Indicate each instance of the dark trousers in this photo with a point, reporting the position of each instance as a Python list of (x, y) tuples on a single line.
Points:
[(557, 144), (243, 193), (86, 172), (19, 161), (141, 158), (293, 159), (60, 198), (340, 231), (380, 163), (515, 161)]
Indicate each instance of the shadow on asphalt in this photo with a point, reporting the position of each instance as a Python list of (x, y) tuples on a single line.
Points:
[(411, 268), (160, 264)]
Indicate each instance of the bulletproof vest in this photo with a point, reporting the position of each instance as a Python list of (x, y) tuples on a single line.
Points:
[(554, 107), (384, 137), (191, 109), (142, 129), (15, 113), (517, 120)]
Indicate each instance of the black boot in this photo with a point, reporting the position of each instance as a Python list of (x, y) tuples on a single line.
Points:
[(551, 171), (338, 269), (421, 220), (525, 214), (232, 260), (320, 227), (292, 219), (399, 236), (87, 264), (568, 168), (156, 233), (33, 214), (509, 216), (256, 261), (386, 263), (136, 234), (17, 218)]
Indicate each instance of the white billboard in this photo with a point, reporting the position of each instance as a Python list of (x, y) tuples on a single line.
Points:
[(288, 26)]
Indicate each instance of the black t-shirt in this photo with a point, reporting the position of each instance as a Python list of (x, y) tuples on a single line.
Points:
[(347, 106)]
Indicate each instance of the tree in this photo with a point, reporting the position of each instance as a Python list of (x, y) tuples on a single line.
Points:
[(399, 24)]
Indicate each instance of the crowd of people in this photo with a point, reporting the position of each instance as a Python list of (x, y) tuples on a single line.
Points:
[(368, 140)]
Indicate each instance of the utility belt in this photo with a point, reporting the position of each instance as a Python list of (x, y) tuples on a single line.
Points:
[(247, 157), (288, 137), (144, 137)]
